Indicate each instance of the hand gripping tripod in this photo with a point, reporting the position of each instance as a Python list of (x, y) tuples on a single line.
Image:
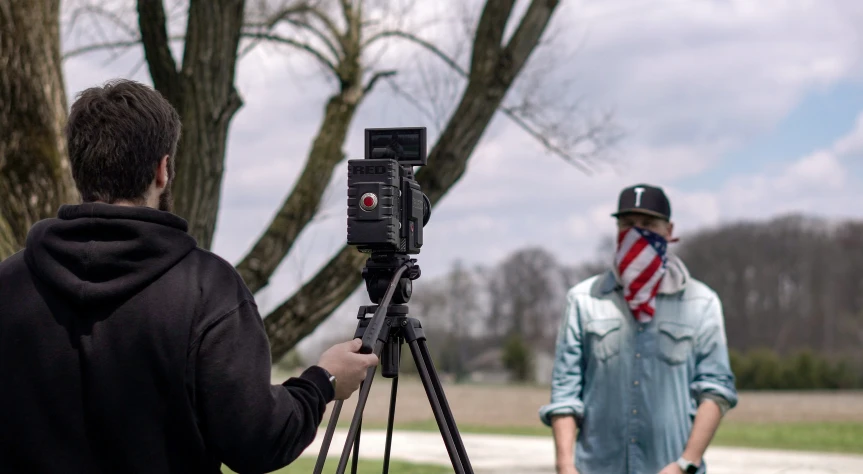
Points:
[(384, 334)]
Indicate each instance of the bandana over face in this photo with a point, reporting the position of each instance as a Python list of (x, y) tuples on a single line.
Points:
[(640, 262)]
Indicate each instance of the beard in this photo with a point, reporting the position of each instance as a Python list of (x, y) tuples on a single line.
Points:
[(166, 200)]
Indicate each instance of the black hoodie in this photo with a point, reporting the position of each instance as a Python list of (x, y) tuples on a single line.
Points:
[(125, 348)]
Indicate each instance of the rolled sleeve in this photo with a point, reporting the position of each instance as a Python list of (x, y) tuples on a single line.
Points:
[(713, 379), (566, 382)]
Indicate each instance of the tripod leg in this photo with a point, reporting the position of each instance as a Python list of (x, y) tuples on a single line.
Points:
[(328, 437), (358, 414), (357, 449), (391, 418), (436, 406), (447, 412)]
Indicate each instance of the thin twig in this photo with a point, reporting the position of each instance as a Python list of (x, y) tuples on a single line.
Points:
[(574, 159), (110, 45), (378, 75), (101, 46), (297, 44), (425, 44), (411, 99)]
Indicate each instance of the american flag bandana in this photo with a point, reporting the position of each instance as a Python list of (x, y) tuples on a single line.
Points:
[(640, 263)]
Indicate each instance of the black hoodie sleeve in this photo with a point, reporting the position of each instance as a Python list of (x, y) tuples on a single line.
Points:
[(250, 424)]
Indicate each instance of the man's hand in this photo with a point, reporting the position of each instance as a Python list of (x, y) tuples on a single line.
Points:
[(672, 468), (348, 366)]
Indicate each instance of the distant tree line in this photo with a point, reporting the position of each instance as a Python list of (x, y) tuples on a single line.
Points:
[(791, 289)]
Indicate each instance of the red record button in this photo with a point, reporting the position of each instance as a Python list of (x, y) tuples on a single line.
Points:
[(368, 201)]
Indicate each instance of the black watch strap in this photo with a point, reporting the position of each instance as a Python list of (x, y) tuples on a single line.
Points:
[(331, 377)]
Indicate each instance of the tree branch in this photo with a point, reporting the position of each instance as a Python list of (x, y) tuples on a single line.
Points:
[(527, 36), (114, 18), (297, 317), (489, 36), (100, 46), (291, 42), (590, 135), (294, 16), (544, 140), (319, 34), (348, 16), (112, 45), (377, 76), (413, 101), (287, 14), (425, 44), (303, 202), (280, 15), (154, 36)]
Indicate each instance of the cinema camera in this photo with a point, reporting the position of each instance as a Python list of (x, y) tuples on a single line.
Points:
[(386, 207), (387, 211)]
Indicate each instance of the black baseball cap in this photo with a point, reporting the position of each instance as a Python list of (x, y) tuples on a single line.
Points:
[(644, 199)]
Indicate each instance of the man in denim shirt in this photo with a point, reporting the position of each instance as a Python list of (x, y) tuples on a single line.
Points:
[(642, 364)]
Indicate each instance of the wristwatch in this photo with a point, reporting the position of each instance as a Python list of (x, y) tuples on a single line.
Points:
[(687, 466), (331, 377)]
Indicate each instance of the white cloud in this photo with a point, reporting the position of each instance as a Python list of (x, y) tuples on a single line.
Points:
[(852, 143), (818, 183)]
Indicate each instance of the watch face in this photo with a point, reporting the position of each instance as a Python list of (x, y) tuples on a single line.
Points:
[(691, 469)]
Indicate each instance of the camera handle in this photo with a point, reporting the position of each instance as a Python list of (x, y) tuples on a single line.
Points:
[(373, 331)]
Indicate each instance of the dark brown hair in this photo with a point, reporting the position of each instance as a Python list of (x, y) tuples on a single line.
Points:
[(116, 135)]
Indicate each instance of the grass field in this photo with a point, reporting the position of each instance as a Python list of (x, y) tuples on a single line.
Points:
[(813, 421)]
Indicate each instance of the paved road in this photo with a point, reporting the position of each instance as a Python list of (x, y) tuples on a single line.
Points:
[(503, 454)]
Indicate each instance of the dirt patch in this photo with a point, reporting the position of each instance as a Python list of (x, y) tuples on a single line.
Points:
[(517, 406), (799, 406)]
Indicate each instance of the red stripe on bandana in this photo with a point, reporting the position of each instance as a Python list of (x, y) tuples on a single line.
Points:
[(633, 253), (644, 277)]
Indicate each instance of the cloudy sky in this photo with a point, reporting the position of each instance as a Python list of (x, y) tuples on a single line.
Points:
[(739, 109)]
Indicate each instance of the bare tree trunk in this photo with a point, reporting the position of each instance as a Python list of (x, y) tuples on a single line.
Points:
[(302, 204), (35, 177), (203, 93), (494, 68)]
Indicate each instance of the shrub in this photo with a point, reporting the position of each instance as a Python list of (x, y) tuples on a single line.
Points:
[(764, 369), (517, 358)]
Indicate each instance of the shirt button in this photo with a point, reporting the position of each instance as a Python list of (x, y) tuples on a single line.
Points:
[(638, 356), (635, 383), (632, 440), (640, 329), (634, 412)]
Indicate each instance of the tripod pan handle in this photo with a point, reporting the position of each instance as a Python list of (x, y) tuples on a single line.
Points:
[(373, 330)]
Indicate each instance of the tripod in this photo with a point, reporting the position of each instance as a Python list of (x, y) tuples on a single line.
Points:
[(384, 334)]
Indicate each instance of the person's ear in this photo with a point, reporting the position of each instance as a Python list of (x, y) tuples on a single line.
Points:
[(162, 173), (671, 237)]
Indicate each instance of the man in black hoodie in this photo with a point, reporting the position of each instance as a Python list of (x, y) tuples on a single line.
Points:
[(126, 348)]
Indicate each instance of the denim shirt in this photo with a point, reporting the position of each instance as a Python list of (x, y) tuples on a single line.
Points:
[(634, 387)]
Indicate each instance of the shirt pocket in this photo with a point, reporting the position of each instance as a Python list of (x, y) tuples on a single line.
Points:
[(676, 342), (604, 336)]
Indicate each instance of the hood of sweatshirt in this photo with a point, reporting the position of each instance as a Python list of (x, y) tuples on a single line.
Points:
[(96, 253)]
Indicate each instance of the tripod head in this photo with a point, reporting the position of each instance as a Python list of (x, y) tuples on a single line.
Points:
[(379, 270), (388, 277)]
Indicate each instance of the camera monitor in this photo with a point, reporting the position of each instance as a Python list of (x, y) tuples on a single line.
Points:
[(405, 145)]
